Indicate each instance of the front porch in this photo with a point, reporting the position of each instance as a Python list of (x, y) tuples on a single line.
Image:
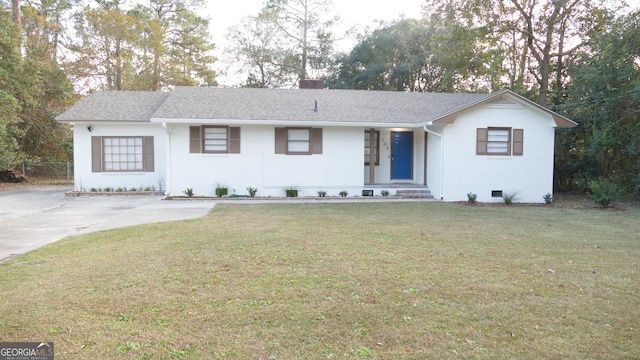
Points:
[(395, 162)]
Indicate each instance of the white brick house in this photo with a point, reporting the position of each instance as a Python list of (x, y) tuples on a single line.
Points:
[(312, 140)]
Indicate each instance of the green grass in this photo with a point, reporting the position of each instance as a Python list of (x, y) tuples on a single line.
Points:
[(322, 281)]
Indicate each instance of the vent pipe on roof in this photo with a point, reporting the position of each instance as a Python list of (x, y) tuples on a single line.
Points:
[(316, 108)]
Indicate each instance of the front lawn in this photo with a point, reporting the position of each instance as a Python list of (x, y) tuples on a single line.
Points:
[(320, 281)]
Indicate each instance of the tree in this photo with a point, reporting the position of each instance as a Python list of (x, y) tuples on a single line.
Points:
[(262, 55), (604, 97), (398, 57), (522, 44), (9, 108), (148, 47), (107, 46), (35, 89), (548, 29), (306, 25)]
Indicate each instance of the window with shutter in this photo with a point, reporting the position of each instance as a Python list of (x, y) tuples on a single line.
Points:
[(122, 154), (499, 141), (298, 141), (214, 139)]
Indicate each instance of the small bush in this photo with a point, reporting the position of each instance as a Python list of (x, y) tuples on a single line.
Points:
[(343, 193), (509, 198), (188, 192), (548, 199), (252, 191), (221, 191), (604, 193), (291, 192), (384, 193), (322, 193), (471, 198), (93, 189), (107, 189)]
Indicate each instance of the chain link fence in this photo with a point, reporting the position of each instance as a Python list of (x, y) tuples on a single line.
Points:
[(48, 170)]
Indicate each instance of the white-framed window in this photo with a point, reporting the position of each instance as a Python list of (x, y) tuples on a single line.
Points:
[(123, 153), (215, 139), (298, 140), (498, 141)]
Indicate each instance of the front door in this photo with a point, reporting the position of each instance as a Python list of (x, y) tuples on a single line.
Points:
[(401, 155)]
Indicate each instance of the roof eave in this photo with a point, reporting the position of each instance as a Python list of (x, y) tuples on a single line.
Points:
[(323, 123), (560, 121)]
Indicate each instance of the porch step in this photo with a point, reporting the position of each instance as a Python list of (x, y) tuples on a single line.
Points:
[(415, 193)]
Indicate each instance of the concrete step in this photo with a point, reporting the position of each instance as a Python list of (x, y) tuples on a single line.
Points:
[(415, 193)]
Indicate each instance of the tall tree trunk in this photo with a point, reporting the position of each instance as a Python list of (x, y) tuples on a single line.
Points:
[(305, 45), (17, 18), (15, 7), (155, 82)]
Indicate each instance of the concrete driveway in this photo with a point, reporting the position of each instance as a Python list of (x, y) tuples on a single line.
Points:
[(33, 216)]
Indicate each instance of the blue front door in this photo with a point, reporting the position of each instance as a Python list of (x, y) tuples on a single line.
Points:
[(401, 155)]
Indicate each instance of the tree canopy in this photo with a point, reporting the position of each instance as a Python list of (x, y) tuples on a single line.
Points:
[(398, 56), (603, 95), (151, 46)]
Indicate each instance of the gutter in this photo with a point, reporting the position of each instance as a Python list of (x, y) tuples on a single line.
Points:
[(441, 158), (167, 189)]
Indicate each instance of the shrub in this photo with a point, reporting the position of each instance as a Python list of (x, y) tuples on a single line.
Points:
[(343, 193), (604, 193), (291, 192), (93, 189), (322, 193), (509, 198), (384, 193), (221, 190), (188, 192), (252, 191), (548, 199), (471, 198), (107, 189)]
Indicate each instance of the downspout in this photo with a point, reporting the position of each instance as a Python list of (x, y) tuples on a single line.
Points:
[(441, 159), (167, 189)]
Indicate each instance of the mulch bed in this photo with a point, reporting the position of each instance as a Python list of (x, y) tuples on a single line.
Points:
[(565, 201)]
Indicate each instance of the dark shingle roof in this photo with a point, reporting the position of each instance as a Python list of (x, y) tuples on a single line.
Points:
[(115, 106), (352, 106)]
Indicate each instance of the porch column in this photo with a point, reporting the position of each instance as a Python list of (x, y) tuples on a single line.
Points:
[(373, 151)]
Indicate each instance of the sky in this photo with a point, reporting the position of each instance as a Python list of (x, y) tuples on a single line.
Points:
[(358, 13)]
